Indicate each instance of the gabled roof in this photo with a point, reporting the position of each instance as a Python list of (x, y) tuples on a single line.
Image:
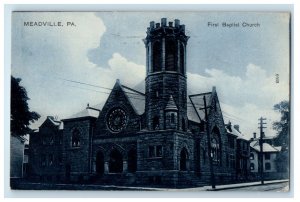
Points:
[(197, 103), (52, 120), (232, 130), (55, 122), (87, 112), (195, 108), (266, 147), (136, 99)]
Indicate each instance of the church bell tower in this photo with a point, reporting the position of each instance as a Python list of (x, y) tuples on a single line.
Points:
[(166, 88)]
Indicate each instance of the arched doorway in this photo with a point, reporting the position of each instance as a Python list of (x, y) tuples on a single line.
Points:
[(100, 163), (132, 161), (115, 162), (183, 159)]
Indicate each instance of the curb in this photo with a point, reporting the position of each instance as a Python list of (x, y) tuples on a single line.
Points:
[(243, 186)]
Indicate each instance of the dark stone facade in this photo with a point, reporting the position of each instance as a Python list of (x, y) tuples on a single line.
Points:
[(153, 145)]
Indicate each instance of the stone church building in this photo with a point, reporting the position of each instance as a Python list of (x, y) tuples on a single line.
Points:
[(153, 138)]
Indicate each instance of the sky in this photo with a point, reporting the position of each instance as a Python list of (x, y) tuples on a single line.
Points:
[(101, 47)]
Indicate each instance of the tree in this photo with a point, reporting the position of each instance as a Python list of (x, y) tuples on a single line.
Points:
[(20, 117), (282, 138), (282, 126)]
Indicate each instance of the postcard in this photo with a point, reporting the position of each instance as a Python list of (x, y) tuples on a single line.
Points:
[(150, 101)]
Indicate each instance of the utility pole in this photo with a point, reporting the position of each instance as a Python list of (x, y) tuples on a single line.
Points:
[(261, 127), (212, 175)]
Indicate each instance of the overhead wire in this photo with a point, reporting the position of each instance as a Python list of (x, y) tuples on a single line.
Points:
[(134, 94)]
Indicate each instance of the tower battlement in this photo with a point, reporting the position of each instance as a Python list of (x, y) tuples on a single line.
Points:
[(165, 27)]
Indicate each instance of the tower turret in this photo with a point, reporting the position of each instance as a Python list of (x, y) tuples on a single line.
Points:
[(166, 73)]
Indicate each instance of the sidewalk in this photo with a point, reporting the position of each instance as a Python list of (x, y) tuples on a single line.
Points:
[(208, 188), (204, 188), (241, 185), (45, 186)]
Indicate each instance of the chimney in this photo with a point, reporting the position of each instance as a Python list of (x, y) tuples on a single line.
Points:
[(237, 127), (177, 22), (164, 22), (229, 126), (151, 24), (254, 135)]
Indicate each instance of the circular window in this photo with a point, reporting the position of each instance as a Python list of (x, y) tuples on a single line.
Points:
[(116, 120)]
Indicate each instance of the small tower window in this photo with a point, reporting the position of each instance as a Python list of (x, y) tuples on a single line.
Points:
[(156, 60), (172, 118), (181, 59), (170, 55), (183, 124), (76, 138), (183, 96)]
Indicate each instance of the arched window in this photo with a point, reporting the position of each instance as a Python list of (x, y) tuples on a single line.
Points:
[(156, 123), (251, 156), (183, 159), (215, 146), (156, 58), (170, 55), (214, 149), (76, 138), (252, 167), (181, 59)]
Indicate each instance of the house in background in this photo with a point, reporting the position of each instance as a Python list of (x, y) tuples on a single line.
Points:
[(269, 156), (238, 157)]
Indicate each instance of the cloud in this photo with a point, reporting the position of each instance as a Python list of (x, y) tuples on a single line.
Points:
[(246, 99), (128, 72), (43, 55)]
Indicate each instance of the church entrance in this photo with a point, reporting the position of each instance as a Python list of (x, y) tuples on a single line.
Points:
[(100, 163), (132, 161), (183, 159), (115, 162)]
